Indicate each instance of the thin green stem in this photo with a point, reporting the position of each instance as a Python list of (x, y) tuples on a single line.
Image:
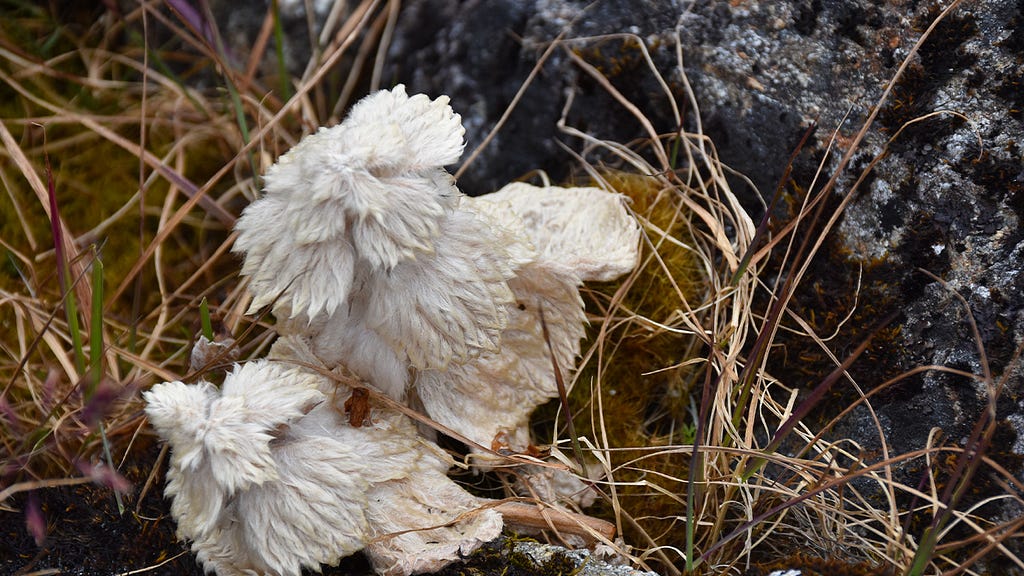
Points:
[(96, 329)]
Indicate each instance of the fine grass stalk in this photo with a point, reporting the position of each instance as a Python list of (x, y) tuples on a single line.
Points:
[(63, 271), (283, 83)]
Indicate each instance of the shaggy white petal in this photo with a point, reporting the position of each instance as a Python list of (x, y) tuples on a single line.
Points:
[(442, 308), (585, 229), (228, 434), (431, 132), (496, 392), (268, 477), (344, 340), (307, 276), (434, 501), (360, 240), (425, 314), (451, 306), (409, 211)]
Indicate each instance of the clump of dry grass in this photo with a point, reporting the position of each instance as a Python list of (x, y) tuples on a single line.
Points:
[(751, 471), (113, 157)]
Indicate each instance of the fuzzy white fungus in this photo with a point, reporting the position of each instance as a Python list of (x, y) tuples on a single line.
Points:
[(268, 477), (376, 265), (361, 234)]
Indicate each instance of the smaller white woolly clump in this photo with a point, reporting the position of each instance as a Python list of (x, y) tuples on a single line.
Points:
[(585, 229), (267, 477)]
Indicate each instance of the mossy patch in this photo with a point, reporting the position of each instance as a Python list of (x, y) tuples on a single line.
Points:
[(645, 400)]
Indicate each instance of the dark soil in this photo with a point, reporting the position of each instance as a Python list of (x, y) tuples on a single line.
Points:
[(86, 535)]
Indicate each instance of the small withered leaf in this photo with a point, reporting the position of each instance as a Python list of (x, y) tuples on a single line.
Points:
[(357, 408)]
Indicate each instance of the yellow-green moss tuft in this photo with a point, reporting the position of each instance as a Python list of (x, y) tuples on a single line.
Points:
[(644, 400)]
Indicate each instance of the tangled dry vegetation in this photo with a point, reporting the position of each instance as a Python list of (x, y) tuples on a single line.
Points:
[(123, 177)]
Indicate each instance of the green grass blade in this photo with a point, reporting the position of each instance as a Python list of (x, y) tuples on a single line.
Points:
[(282, 65), (96, 357), (96, 329), (70, 304), (923, 554), (204, 318), (695, 475)]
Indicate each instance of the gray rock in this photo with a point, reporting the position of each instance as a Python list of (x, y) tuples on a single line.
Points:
[(582, 562), (948, 197), (513, 556), (480, 53)]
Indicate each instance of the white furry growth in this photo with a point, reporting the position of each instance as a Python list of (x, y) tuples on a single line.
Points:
[(268, 478)]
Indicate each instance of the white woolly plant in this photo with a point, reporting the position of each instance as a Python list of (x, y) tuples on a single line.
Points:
[(365, 247), (377, 265)]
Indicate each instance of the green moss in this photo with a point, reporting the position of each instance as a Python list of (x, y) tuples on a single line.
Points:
[(646, 387)]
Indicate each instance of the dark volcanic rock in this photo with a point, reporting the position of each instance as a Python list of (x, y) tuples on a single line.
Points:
[(481, 52), (947, 198)]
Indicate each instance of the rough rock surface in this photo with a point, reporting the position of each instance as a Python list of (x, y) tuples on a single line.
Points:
[(480, 53), (583, 562), (948, 197), (514, 557)]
